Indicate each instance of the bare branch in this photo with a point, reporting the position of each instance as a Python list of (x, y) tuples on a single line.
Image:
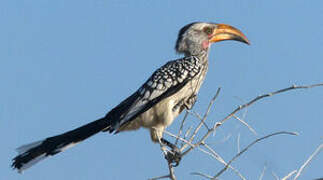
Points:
[(187, 133), (201, 141), (289, 175), (204, 117), (317, 150), (171, 174), (251, 144), (198, 116), (160, 177), (181, 127), (201, 174), (246, 124), (179, 138), (215, 155), (171, 171), (188, 143), (244, 114), (275, 175), (238, 142), (218, 124), (293, 87), (263, 172)]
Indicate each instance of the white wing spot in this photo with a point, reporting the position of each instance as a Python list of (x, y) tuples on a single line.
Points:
[(149, 83), (159, 86), (147, 94)]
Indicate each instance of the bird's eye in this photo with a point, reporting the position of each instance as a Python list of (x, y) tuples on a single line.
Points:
[(208, 30)]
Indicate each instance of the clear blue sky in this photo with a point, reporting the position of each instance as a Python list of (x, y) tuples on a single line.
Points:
[(66, 63)]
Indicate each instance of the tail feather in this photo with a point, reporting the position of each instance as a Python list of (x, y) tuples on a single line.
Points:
[(32, 153), (22, 149)]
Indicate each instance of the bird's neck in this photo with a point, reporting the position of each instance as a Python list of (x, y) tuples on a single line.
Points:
[(202, 56)]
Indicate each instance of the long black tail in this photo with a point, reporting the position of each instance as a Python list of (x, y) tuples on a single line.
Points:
[(32, 153)]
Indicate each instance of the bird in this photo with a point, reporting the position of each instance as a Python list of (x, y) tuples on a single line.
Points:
[(170, 90)]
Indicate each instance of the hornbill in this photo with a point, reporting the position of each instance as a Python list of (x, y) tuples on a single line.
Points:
[(171, 89)]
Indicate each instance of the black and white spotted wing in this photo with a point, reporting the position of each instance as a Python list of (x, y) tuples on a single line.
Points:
[(164, 82)]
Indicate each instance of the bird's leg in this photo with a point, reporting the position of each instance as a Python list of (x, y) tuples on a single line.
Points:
[(169, 144), (173, 156), (190, 102), (179, 106)]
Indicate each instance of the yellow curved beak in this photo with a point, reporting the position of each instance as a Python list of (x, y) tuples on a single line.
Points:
[(224, 32)]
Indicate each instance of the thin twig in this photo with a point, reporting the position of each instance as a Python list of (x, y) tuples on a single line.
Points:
[(251, 144), (244, 114), (204, 117), (214, 155), (171, 171), (187, 133), (293, 87), (221, 160), (238, 142), (275, 175), (317, 150), (171, 174), (246, 124), (160, 177), (202, 174), (218, 124), (198, 116), (196, 144), (179, 138), (263, 172), (181, 127), (289, 175)]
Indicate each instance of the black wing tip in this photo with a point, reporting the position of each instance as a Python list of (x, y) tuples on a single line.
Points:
[(16, 164)]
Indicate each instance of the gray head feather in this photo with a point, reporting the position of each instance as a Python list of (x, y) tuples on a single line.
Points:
[(190, 39)]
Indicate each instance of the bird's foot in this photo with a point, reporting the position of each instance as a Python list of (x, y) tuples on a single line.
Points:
[(174, 157)]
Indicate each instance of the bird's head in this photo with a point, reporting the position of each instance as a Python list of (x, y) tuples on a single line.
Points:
[(195, 38)]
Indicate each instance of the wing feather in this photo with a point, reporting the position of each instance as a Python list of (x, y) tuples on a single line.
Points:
[(164, 82)]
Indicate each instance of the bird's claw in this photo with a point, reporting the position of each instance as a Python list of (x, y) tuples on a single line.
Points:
[(190, 102), (174, 157)]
